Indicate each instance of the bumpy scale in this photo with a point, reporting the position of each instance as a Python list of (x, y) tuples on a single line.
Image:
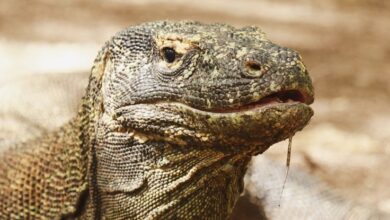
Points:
[(171, 117)]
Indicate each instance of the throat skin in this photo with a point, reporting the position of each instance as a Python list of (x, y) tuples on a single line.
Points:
[(203, 184), (151, 179)]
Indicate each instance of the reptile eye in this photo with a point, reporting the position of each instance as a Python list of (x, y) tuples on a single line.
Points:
[(169, 54)]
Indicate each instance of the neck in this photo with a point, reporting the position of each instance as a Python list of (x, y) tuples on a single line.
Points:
[(50, 170), (161, 180)]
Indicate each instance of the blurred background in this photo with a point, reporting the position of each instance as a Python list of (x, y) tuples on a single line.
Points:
[(344, 43)]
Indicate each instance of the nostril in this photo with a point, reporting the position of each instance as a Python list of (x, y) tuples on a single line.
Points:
[(255, 69), (253, 66)]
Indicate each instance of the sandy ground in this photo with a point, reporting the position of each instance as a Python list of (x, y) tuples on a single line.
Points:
[(345, 45)]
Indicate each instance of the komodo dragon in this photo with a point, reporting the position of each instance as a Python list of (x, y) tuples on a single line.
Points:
[(171, 117)]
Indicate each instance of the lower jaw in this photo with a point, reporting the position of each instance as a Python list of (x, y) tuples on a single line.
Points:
[(259, 126)]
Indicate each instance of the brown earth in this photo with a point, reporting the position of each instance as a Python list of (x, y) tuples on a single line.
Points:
[(345, 45)]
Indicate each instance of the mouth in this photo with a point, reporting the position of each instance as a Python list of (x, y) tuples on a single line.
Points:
[(277, 98), (270, 119), (287, 96)]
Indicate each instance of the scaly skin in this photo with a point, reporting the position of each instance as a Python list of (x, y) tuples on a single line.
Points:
[(162, 136)]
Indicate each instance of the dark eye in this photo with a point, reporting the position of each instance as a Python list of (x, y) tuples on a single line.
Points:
[(169, 54)]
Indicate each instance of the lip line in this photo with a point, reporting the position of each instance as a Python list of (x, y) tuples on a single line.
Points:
[(251, 110), (280, 97), (252, 107), (284, 97)]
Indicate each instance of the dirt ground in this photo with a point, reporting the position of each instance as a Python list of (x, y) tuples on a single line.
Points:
[(345, 45)]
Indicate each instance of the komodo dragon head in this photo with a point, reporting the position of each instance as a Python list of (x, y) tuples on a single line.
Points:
[(178, 108)]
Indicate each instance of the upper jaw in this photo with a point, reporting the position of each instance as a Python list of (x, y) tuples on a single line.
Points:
[(253, 95)]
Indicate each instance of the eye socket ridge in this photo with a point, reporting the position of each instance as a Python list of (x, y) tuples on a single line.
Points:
[(169, 54)]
